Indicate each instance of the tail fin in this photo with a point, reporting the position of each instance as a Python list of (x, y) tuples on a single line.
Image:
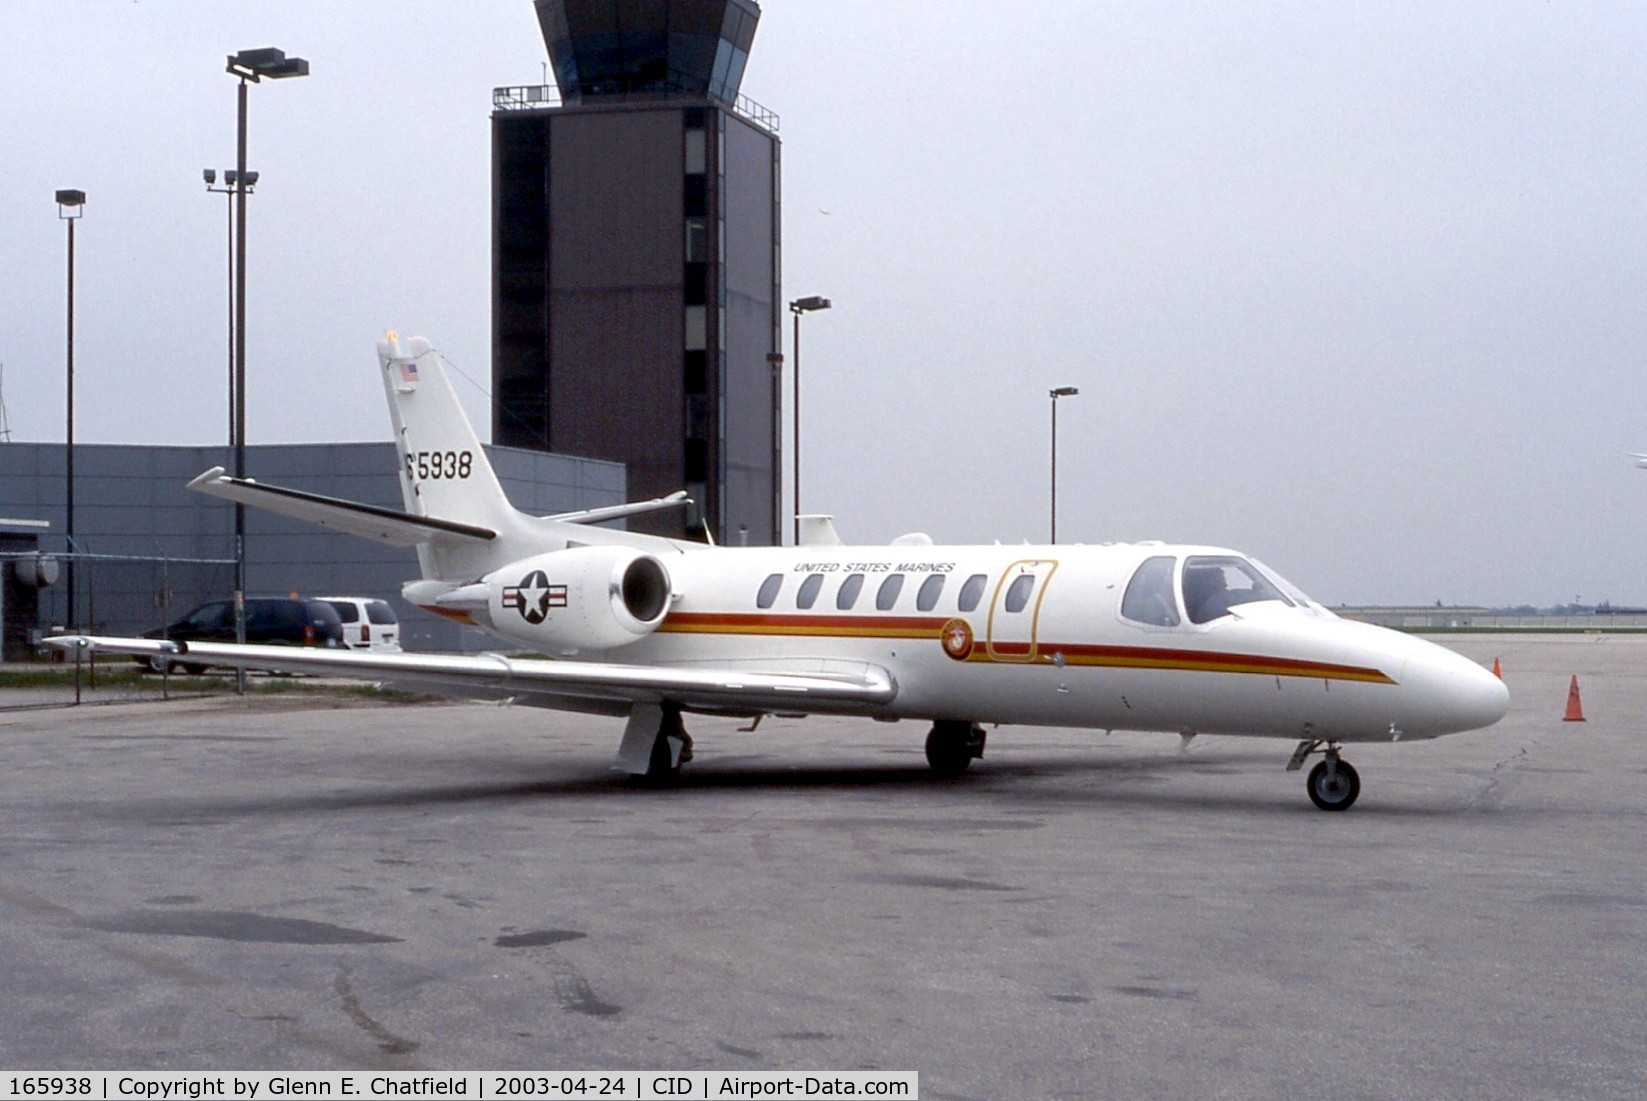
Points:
[(443, 470)]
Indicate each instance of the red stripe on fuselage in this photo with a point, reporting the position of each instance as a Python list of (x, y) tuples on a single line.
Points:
[(1016, 652)]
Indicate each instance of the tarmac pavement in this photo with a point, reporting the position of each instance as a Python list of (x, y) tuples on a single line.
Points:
[(300, 883)]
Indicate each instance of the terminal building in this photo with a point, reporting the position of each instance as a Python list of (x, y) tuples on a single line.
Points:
[(149, 549), (637, 313)]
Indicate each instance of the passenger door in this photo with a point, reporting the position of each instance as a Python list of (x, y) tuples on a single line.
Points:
[(1015, 609)]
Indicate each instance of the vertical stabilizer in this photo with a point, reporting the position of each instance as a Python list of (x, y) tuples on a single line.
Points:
[(444, 473)]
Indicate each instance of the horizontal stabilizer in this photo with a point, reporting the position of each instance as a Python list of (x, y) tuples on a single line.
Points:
[(386, 525), (677, 499)]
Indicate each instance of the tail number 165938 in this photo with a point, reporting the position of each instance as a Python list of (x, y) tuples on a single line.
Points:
[(427, 466)]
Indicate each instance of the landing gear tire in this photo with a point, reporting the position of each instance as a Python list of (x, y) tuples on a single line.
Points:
[(1334, 785), (951, 745)]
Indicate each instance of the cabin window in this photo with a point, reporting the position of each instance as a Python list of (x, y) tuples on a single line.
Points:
[(1018, 592), (808, 594), (1213, 584), (887, 595), (769, 591), (972, 592), (931, 589), (850, 588), (1149, 597)]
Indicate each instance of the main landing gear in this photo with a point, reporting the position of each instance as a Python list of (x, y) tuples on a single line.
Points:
[(952, 744), (1333, 784), (655, 745)]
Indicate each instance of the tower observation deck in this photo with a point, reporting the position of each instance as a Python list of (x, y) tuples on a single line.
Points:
[(624, 47)]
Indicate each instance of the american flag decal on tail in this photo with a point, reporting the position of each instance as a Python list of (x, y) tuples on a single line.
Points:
[(408, 372)]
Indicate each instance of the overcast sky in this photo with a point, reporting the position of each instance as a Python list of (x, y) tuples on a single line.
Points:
[(1357, 288)]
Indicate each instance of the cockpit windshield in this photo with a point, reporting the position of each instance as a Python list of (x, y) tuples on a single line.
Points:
[(1213, 584), (1293, 592)]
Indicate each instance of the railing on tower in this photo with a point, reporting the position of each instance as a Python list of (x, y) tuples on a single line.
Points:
[(526, 97)]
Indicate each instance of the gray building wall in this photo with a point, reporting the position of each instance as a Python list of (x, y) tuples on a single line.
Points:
[(130, 501), (612, 335), (752, 304)]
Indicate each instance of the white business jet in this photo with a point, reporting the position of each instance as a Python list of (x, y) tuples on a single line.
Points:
[(1149, 636)]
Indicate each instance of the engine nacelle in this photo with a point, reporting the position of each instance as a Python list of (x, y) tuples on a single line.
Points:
[(582, 598)]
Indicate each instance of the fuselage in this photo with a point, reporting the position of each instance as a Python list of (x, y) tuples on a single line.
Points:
[(1123, 636)]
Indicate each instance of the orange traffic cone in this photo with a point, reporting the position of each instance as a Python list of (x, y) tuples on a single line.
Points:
[(1575, 710), (1497, 672)]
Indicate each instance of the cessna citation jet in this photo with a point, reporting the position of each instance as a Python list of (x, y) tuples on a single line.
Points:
[(1149, 636)]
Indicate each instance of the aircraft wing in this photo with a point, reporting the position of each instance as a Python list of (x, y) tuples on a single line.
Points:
[(574, 685), (386, 525)]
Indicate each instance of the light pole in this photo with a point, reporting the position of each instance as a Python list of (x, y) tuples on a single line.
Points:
[(798, 307), (1060, 392), (253, 66), (774, 360), (71, 204), (230, 176)]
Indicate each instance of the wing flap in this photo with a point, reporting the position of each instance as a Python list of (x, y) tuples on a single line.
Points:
[(847, 688), (386, 525)]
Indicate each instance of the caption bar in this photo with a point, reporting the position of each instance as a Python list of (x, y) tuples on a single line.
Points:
[(583, 1086)]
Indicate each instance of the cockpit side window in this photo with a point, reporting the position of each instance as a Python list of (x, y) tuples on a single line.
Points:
[(1213, 584), (1149, 597)]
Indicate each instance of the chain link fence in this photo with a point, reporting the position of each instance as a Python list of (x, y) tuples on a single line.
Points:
[(102, 594)]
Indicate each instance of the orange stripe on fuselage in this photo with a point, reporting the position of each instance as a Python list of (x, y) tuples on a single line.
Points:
[(1079, 654)]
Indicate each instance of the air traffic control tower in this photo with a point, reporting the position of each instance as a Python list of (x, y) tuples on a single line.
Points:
[(636, 301)]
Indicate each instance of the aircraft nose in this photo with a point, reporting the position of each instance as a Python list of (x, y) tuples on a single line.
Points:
[(1451, 693)]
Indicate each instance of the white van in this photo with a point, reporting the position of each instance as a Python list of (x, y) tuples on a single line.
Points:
[(368, 623)]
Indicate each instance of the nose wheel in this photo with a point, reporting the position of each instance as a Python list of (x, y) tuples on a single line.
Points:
[(1333, 784)]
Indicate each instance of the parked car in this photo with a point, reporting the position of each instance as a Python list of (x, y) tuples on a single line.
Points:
[(368, 623), (270, 621)]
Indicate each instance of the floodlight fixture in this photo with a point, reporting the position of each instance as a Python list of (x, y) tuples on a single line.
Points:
[(254, 65)]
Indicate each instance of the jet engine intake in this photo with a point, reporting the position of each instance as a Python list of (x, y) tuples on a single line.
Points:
[(582, 598)]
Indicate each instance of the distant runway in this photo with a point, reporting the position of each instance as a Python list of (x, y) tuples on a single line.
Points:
[(297, 884)]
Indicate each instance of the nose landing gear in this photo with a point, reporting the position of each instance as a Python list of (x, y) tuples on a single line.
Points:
[(1333, 784)]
